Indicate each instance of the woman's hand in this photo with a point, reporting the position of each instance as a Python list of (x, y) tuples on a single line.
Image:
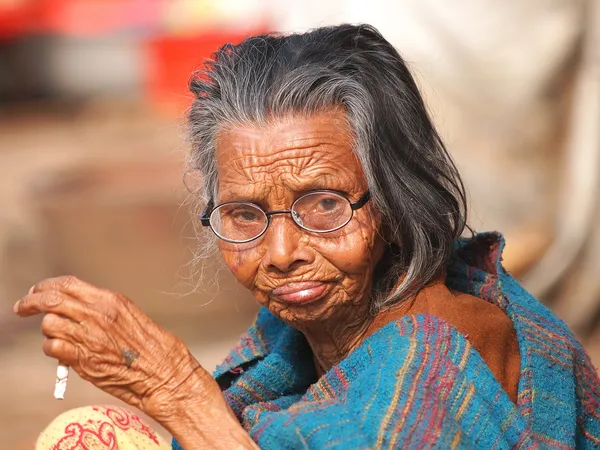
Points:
[(110, 342)]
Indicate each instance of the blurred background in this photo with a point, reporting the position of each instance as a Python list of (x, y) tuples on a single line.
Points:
[(92, 109)]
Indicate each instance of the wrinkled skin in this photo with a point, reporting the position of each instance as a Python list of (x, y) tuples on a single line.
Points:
[(272, 166)]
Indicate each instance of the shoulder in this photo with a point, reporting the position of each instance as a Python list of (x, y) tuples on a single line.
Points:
[(482, 322), (486, 327)]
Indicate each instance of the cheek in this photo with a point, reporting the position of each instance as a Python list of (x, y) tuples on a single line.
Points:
[(350, 258), (353, 253), (363, 247), (242, 261)]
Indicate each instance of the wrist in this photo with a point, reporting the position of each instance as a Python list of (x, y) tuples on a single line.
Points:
[(184, 380), (191, 407), (189, 404), (211, 426), (206, 421)]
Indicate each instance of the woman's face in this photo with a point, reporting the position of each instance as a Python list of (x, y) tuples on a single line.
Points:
[(299, 276)]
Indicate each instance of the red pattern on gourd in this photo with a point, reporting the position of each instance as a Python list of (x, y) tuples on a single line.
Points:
[(99, 434)]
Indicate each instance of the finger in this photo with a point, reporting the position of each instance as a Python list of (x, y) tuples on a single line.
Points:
[(55, 326), (64, 351), (52, 302), (69, 285)]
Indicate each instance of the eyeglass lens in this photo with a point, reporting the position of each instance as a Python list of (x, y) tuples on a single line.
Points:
[(317, 211)]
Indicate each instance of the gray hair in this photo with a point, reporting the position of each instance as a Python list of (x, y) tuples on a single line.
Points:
[(413, 182)]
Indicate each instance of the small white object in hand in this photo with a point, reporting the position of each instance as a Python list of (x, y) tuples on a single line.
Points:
[(62, 375)]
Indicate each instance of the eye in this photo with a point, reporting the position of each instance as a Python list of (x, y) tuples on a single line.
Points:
[(246, 215), (322, 211), (328, 204)]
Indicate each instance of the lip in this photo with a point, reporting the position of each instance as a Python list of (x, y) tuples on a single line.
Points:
[(300, 292)]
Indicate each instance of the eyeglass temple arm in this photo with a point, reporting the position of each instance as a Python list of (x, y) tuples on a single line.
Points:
[(361, 201), (205, 216)]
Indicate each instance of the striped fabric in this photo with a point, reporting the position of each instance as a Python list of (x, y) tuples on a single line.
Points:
[(417, 382)]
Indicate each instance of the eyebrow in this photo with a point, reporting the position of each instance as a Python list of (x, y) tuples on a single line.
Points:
[(316, 184)]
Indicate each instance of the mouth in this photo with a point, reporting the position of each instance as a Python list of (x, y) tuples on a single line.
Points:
[(301, 292)]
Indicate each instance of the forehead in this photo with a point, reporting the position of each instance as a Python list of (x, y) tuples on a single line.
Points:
[(294, 154)]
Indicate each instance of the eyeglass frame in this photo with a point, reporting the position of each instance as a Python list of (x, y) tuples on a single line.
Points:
[(354, 206)]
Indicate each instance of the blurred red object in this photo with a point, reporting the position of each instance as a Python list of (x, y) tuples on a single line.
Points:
[(92, 17), (173, 59), (18, 17), (78, 17)]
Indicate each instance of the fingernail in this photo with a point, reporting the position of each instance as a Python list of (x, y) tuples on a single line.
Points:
[(16, 307), (31, 290)]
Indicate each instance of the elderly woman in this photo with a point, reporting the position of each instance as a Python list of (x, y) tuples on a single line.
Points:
[(336, 204)]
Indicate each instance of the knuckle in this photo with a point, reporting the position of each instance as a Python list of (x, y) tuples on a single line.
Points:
[(68, 281), (93, 365), (83, 363), (96, 344), (114, 304), (110, 315), (105, 367), (115, 298), (53, 347), (96, 347), (51, 299), (49, 323)]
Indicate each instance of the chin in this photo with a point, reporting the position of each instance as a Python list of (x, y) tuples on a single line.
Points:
[(298, 315)]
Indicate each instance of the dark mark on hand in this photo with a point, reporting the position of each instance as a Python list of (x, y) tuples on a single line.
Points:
[(129, 356)]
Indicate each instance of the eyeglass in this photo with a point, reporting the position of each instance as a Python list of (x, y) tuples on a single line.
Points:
[(319, 211)]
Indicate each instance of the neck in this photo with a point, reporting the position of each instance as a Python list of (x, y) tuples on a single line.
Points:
[(333, 340)]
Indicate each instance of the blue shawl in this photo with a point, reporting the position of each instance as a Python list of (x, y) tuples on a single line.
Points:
[(417, 382)]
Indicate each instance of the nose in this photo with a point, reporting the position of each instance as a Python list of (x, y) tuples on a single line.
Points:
[(283, 242)]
